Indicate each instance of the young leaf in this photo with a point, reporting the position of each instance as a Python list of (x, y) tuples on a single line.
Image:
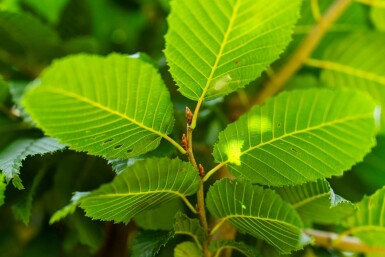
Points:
[(361, 72), (316, 201), (191, 227), (218, 245), (12, 156), (291, 140), (113, 106), (144, 186), (68, 209), (368, 223), (215, 47), (149, 243), (187, 249), (256, 211)]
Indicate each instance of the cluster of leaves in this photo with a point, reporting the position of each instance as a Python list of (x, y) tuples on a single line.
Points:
[(269, 174)]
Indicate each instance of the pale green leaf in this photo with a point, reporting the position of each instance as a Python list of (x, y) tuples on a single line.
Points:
[(368, 223), (161, 218), (187, 249), (365, 71), (291, 140), (256, 211), (218, 245), (3, 186), (144, 186), (12, 156), (68, 209), (149, 243), (316, 202), (191, 227), (113, 106), (215, 47)]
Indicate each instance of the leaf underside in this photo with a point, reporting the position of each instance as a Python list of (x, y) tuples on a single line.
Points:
[(191, 227), (299, 136), (113, 106), (258, 212), (144, 186), (216, 47)]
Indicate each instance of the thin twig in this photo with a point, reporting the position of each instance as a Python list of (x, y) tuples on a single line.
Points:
[(303, 52)]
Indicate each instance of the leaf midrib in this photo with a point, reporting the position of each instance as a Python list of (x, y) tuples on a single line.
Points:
[(102, 107), (221, 49), (331, 123), (239, 216), (308, 200), (136, 193)]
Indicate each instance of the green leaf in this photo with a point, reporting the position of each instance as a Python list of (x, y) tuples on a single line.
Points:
[(161, 218), (187, 249), (22, 36), (68, 209), (12, 156), (191, 227), (113, 106), (23, 208), (360, 72), (3, 90), (217, 47), (144, 186), (49, 9), (218, 245), (316, 201), (149, 243), (3, 186), (256, 211), (377, 15), (291, 140), (368, 224)]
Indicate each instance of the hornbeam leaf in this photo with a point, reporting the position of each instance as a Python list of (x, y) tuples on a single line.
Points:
[(368, 223), (191, 227), (219, 245), (3, 186), (12, 156), (144, 186), (377, 14), (256, 211), (113, 106), (291, 140), (187, 249), (68, 209), (149, 243), (316, 201), (215, 48), (365, 71)]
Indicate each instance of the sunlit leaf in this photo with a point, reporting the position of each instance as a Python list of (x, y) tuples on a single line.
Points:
[(256, 211), (368, 223), (216, 47), (191, 227), (149, 243), (316, 202), (291, 140), (377, 14), (144, 186), (12, 156), (113, 106), (357, 62), (219, 245), (187, 249)]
